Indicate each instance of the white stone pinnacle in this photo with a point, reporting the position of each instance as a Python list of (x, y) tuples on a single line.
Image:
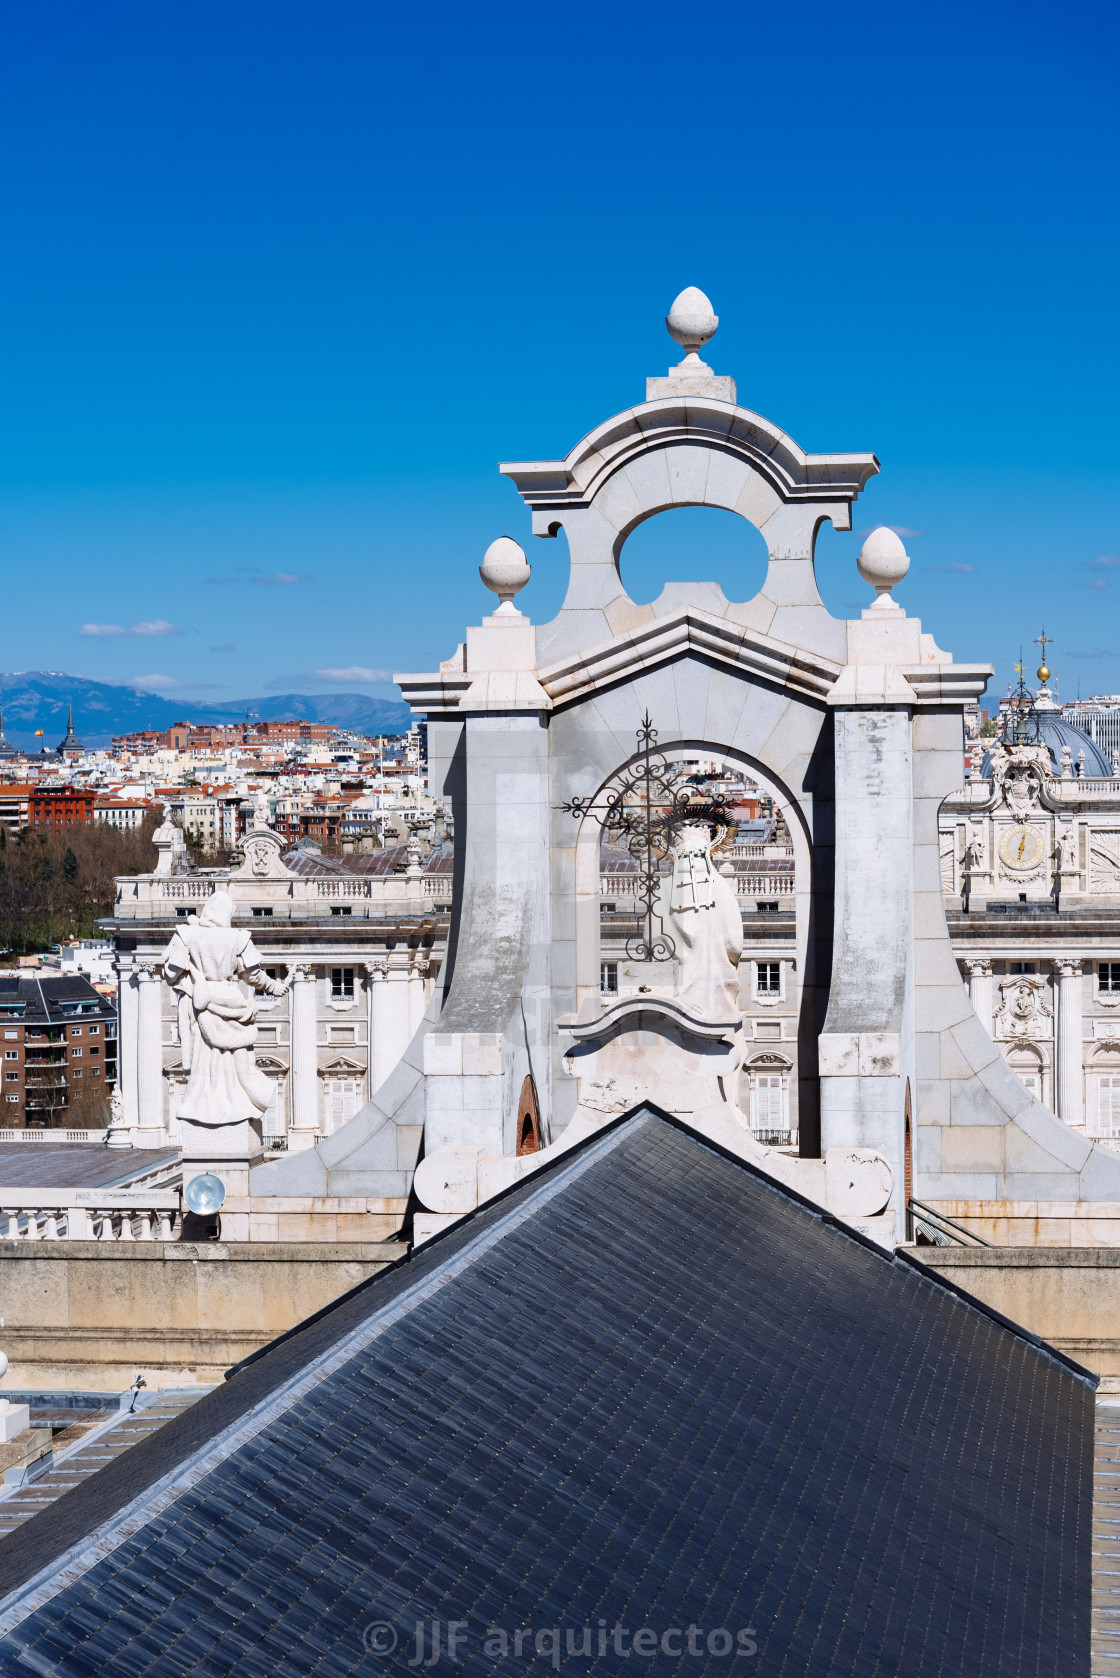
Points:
[(505, 571), (692, 322), (883, 562)]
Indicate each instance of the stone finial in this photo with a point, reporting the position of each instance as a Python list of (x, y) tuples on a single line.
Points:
[(883, 562), (505, 571), (692, 322)]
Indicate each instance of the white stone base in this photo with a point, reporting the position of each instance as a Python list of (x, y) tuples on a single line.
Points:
[(14, 1418), (228, 1150)]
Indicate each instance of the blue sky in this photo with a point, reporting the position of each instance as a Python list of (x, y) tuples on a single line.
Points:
[(281, 283)]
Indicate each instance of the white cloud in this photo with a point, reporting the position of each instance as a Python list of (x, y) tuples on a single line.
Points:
[(353, 673), (957, 565), (156, 627), (155, 683), (278, 578)]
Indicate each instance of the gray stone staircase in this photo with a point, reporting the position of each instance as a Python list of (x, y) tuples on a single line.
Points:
[(103, 1443)]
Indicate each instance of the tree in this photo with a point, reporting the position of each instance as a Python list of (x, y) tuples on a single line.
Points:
[(69, 866)]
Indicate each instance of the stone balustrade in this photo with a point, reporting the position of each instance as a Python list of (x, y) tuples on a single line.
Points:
[(746, 885), (82, 1215), (91, 1138)]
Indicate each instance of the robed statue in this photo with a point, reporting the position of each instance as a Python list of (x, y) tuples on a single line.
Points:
[(205, 963)]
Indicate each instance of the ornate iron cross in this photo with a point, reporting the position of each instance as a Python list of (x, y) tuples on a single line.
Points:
[(642, 811)]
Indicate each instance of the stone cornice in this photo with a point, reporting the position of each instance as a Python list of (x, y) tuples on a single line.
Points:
[(692, 630), (702, 422)]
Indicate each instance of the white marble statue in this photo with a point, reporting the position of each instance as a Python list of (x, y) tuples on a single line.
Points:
[(205, 960), (701, 912), (171, 847)]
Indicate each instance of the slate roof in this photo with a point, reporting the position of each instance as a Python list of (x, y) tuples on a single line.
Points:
[(50, 999), (76, 1165), (647, 1388)]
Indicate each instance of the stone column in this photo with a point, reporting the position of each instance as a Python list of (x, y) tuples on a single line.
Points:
[(980, 991), (391, 1011), (303, 1074), (417, 993), (1071, 1106), (150, 1128), (127, 1034), (375, 980)]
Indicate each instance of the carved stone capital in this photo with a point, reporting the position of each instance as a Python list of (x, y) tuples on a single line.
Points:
[(979, 968), (303, 974), (1067, 967), (375, 970)]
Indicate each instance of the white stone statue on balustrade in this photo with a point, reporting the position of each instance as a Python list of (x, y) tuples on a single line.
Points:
[(171, 846), (205, 962), (700, 910)]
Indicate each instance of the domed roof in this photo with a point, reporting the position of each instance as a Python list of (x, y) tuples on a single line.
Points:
[(1054, 733)]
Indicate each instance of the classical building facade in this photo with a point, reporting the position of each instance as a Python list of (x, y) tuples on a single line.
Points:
[(1030, 869), (362, 939)]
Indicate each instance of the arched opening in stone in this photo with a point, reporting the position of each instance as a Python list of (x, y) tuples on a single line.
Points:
[(767, 867), (528, 1119), (693, 545)]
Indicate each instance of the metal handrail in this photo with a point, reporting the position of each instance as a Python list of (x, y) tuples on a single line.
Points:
[(918, 1212)]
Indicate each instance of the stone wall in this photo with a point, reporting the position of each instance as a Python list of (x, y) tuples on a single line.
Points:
[(82, 1315), (1069, 1296)]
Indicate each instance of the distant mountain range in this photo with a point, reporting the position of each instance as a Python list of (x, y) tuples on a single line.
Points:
[(34, 699)]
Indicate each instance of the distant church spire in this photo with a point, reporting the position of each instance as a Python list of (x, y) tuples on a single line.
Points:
[(7, 751), (71, 743)]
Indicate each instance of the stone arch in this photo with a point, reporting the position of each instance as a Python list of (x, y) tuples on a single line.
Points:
[(692, 531), (685, 453), (528, 1119), (585, 884)]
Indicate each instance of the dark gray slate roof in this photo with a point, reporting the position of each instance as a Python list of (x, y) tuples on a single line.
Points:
[(76, 1165), (648, 1389)]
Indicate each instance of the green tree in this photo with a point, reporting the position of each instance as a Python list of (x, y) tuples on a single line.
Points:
[(69, 866)]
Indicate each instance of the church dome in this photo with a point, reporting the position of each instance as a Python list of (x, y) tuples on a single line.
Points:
[(1054, 732)]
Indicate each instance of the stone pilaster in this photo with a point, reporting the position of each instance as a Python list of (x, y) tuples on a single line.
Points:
[(980, 991), (128, 1030), (1071, 1106), (303, 1077), (150, 1129)]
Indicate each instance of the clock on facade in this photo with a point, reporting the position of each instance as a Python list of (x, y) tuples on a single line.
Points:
[(1022, 848)]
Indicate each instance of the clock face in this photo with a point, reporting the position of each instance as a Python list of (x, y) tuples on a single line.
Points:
[(1022, 848)]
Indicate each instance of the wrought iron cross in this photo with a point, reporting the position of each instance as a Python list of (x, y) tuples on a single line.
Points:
[(643, 810)]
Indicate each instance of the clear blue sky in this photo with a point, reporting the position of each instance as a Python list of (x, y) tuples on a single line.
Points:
[(281, 283)]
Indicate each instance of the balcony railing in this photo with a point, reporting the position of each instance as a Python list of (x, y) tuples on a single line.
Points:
[(75, 1216)]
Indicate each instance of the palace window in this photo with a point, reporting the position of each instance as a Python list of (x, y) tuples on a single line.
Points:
[(608, 978), (768, 978), (342, 984), (1108, 1104), (344, 909), (1108, 977), (769, 1117), (262, 914), (766, 908), (1021, 967)]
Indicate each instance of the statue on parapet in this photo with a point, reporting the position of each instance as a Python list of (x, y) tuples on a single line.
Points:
[(204, 964), (701, 911)]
